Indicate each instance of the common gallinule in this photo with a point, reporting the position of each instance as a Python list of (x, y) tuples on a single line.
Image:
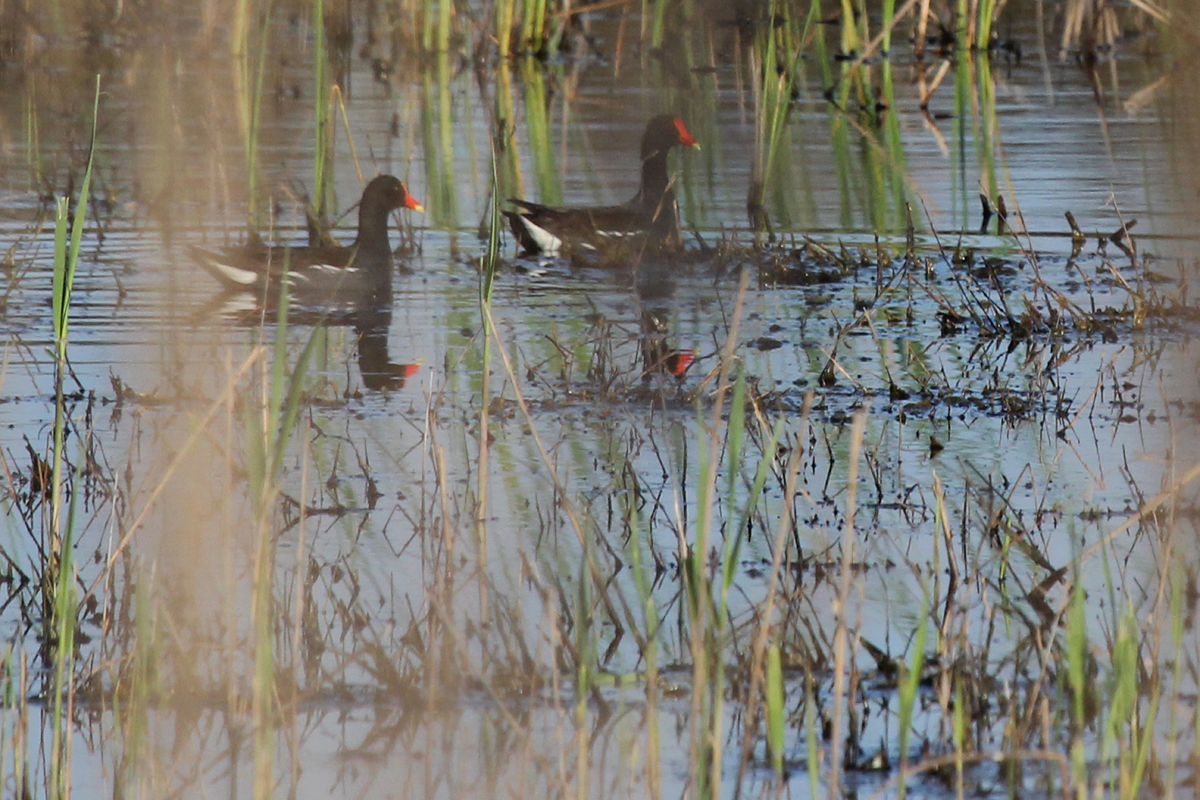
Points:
[(653, 212), (318, 272)]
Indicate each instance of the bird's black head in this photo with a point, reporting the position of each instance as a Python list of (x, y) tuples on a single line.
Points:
[(387, 192), (664, 132)]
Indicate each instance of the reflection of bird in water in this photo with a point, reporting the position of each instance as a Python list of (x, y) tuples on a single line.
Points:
[(657, 356), (371, 323), (652, 214), (379, 372), (321, 273), (654, 285)]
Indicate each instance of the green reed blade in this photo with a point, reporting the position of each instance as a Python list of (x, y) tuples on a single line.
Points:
[(815, 15), (889, 11), (987, 12), (538, 34), (772, 101), (64, 654), (735, 433), (909, 685), (642, 579), (537, 121), (60, 287), (429, 154), (437, 126), (850, 36), (503, 10), (840, 139), (249, 73), (641, 582), (286, 390), (339, 103), (734, 540), (1177, 581), (962, 187), (1143, 745), (323, 110), (962, 34), (584, 634), (279, 362), (1123, 689), (527, 7), (264, 685), (505, 123), (446, 141), (987, 127), (811, 735), (585, 648), (658, 23), (1077, 675), (255, 206), (492, 258), (487, 277), (774, 690), (897, 169), (295, 394), (33, 144), (444, 19), (554, 28), (65, 261)]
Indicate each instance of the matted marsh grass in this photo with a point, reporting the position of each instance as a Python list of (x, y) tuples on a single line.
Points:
[(857, 495)]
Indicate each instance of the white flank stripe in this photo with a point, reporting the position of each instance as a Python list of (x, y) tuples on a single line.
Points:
[(316, 270), (237, 275), (546, 241)]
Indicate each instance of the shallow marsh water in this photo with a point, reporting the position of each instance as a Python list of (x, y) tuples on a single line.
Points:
[(421, 649)]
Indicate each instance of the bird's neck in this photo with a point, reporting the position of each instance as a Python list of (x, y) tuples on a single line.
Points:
[(372, 230), (654, 179)]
